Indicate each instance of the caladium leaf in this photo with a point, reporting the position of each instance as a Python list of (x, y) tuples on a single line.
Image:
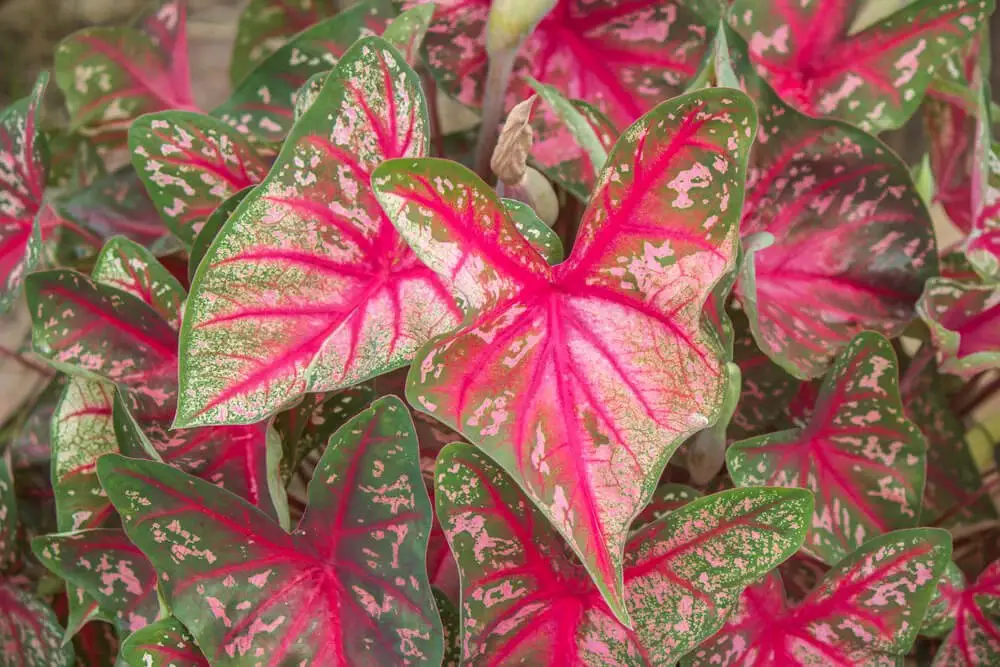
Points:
[(954, 493), (530, 226), (582, 379), (853, 241), (8, 514), (983, 245), (451, 624), (347, 586), (109, 568), (874, 78), (527, 600), (975, 639), (267, 25), (572, 161), (940, 617), (30, 635), (203, 241), (165, 643), (308, 288), (189, 163), (129, 267), (110, 76), (866, 611), (859, 454), (263, 105), (964, 321), (115, 204), (622, 56), (22, 181), (406, 32)]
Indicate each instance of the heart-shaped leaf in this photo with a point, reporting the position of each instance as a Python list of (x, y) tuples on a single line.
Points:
[(127, 266), (853, 242), (964, 321), (110, 76), (30, 634), (975, 639), (527, 600), (874, 78), (308, 287), (22, 181), (109, 568), (954, 494), (112, 205), (866, 611), (622, 56), (262, 105), (859, 454), (189, 163), (165, 643), (582, 379), (349, 585)]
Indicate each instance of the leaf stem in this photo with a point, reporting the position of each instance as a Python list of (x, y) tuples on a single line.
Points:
[(433, 113), (499, 70), (24, 361)]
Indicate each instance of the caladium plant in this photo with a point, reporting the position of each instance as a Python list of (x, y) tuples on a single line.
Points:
[(676, 363)]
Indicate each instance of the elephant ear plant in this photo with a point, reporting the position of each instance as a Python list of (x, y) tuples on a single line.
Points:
[(698, 381)]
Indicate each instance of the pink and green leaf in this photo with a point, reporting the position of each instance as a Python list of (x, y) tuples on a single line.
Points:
[(975, 639), (22, 182), (875, 78), (621, 56), (964, 322), (165, 643), (127, 266), (406, 32), (111, 76), (668, 497), (213, 224), (262, 105), (527, 600), (74, 160), (30, 635), (109, 568), (112, 205), (189, 163), (9, 547), (308, 287), (983, 245), (853, 242), (859, 454), (941, 613), (866, 611), (582, 379), (349, 585)]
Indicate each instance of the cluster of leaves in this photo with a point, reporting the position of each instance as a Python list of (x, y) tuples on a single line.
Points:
[(326, 397)]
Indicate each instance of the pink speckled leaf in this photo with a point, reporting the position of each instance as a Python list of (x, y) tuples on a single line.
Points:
[(127, 266), (22, 181), (983, 245), (111, 76), (874, 78), (975, 639), (866, 611), (954, 494), (262, 106), (189, 164), (964, 321), (406, 32), (109, 568), (347, 586), (858, 453), (112, 205), (622, 56), (308, 287), (213, 224), (527, 600), (30, 634), (940, 617), (165, 643), (853, 242), (582, 379)]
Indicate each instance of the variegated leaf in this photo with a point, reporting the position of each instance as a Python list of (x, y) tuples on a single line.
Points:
[(582, 379), (983, 245), (853, 241), (858, 453), (308, 287), (127, 266), (165, 643), (975, 639), (348, 586), (22, 181), (203, 241), (940, 617), (111, 76), (527, 600), (866, 611), (406, 32), (262, 106), (112, 205), (189, 164), (964, 321), (9, 552), (30, 635), (109, 568), (874, 78)]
